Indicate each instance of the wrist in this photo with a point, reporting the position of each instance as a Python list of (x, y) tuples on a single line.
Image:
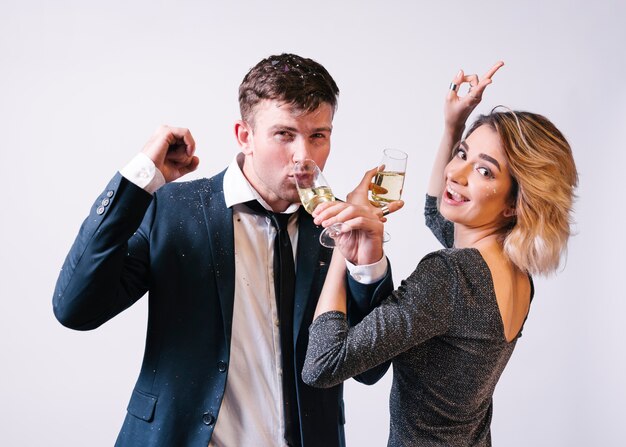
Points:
[(368, 257), (454, 130), (370, 273), (142, 171)]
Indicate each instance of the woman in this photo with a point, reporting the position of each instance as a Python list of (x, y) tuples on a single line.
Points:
[(505, 198)]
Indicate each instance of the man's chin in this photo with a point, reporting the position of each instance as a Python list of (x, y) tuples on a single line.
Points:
[(295, 200), (291, 196)]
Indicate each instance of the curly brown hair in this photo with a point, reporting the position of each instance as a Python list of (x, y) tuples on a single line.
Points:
[(300, 82)]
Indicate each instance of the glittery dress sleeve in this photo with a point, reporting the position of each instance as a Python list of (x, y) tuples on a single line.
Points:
[(421, 308), (442, 229)]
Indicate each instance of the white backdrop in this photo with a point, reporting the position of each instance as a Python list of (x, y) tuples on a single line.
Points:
[(83, 87)]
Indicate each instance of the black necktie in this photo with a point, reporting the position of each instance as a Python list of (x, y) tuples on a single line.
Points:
[(284, 285)]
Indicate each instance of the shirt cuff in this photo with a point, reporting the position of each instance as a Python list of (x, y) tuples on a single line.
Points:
[(142, 172), (369, 273)]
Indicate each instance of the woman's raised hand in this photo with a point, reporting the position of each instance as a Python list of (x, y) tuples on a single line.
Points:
[(458, 108)]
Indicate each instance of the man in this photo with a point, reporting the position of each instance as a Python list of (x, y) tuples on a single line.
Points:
[(216, 369)]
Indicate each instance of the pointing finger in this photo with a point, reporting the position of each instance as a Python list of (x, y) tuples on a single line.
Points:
[(486, 80), (493, 70)]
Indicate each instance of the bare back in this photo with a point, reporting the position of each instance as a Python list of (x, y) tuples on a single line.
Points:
[(512, 289)]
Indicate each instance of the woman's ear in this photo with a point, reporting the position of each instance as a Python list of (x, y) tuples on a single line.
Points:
[(243, 133), (510, 212)]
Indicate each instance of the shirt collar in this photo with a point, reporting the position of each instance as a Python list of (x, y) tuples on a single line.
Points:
[(238, 190)]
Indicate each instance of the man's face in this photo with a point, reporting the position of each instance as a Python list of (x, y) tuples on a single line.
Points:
[(279, 137)]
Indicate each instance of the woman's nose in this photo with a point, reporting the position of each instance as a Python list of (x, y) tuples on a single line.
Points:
[(457, 174)]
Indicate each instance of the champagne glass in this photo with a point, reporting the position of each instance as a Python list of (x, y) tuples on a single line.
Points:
[(389, 179), (313, 190)]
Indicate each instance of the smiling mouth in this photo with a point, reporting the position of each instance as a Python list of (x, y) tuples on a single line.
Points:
[(454, 196)]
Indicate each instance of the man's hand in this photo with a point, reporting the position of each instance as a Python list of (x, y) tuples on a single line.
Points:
[(172, 151), (364, 245)]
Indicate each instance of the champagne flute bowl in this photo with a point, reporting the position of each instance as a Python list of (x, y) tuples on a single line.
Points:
[(313, 189)]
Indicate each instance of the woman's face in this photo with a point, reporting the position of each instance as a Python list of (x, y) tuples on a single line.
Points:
[(478, 183)]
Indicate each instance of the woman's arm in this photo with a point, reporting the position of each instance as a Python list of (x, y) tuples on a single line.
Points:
[(421, 308), (333, 296)]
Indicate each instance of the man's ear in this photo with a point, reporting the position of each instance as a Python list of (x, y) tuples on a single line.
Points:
[(243, 133)]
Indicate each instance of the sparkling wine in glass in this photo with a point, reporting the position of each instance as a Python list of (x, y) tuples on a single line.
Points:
[(389, 181), (313, 190)]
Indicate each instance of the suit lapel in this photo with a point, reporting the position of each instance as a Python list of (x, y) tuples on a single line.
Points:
[(219, 221)]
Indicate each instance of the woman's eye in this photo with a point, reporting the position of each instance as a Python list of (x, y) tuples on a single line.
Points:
[(484, 172), (461, 154)]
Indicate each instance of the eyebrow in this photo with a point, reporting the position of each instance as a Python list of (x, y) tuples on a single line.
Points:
[(294, 130), (483, 156), (281, 127), (323, 129)]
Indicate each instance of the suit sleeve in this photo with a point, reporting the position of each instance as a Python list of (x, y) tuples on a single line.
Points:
[(362, 299), (106, 269)]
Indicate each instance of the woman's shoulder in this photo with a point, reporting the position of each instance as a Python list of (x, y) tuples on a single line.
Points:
[(457, 261), (455, 255), (441, 263)]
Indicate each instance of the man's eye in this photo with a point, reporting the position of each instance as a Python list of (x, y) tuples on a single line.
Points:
[(284, 135)]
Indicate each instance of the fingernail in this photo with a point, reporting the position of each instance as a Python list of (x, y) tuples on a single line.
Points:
[(459, 73)]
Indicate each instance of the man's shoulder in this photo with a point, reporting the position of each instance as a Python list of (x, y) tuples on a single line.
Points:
[(201, 185)]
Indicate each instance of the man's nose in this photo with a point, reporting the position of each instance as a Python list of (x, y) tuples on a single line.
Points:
[(302, 150)]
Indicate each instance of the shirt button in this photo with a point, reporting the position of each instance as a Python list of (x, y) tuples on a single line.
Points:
[(357, 277), (208, 419), (100, 210), (221, 366)]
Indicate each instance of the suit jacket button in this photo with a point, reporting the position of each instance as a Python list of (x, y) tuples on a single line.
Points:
[(100, 210), (109, 194), (221, 366), (208, 418), (105, 202)]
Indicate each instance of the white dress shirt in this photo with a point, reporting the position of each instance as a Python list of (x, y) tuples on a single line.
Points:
[(251, 413)]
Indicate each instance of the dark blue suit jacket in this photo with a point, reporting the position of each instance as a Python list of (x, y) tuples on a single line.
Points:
[(179, 246)]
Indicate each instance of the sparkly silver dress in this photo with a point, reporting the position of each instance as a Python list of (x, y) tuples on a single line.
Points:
[(443, 331)]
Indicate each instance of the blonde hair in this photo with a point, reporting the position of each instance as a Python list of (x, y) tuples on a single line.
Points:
[(544, 178)]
